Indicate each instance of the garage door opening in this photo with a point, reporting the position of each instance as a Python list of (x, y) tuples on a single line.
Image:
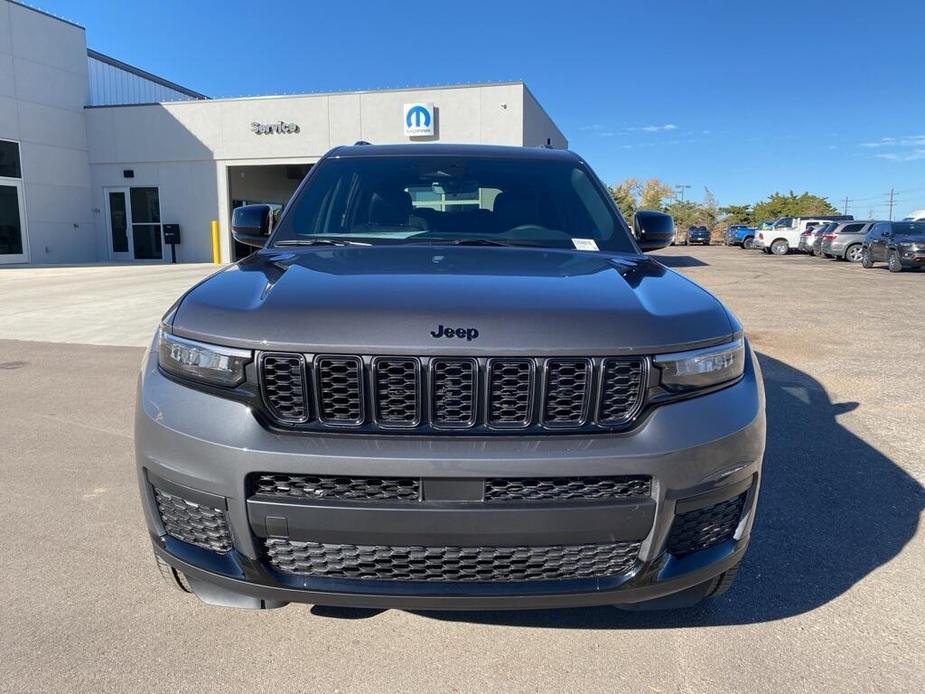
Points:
[(271, 184)]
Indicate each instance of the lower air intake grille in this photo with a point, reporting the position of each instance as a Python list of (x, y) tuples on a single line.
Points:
[(312, 487), (565, 488), (381, 562), (194, 523), (705, 527)]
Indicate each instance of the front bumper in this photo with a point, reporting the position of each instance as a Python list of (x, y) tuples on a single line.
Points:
[(202, 448)]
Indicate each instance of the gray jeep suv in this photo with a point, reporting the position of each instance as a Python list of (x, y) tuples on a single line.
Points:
[(449, 378)]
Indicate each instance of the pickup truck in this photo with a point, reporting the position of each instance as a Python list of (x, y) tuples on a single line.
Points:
[(784, 233)]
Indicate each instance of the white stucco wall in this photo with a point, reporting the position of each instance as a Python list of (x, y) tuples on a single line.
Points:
[(43, 89), (186, 147)]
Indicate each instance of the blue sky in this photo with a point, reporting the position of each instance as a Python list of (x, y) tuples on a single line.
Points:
[(744, 97)]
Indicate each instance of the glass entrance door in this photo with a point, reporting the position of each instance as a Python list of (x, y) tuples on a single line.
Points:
[(134, 217), (13, 239)]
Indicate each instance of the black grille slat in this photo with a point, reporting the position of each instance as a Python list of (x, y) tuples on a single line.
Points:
[(705, 527), (194, 523), (340, 386), (510, 392), (284, 387), (384, 562), (566, 488), (454, 392), (397, 391), (567, 386), (329, 487), (621, 391)]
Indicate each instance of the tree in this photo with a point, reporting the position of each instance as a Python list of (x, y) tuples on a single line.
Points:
[(653, 193), (624, 194), (737, 214), (792, 205), (709, 210)]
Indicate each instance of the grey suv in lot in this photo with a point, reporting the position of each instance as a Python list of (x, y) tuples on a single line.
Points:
[(845, 240), (450, 378)]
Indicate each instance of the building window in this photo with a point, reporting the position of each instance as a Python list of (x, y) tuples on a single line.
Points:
[(10, 166)]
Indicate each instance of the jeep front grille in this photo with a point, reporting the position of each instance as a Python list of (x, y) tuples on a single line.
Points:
[(393, 563), (438, 394)]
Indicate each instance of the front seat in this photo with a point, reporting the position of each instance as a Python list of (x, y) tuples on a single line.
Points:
[(393, 208)]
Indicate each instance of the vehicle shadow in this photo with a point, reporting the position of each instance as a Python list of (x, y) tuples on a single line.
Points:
[(832, 509), (679, 261)]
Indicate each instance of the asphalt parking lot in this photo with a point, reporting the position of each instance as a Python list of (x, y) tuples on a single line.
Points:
[(830, 597)]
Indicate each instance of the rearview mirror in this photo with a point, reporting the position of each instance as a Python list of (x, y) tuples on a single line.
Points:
[(653, 230), (250, 225)]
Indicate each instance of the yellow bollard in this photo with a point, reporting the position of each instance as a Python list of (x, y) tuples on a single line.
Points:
[(216, 251)]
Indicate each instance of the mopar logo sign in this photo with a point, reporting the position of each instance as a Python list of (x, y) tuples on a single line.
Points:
[(419, 120)]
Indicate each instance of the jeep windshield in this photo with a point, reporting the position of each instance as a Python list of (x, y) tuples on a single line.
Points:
[(453, 200)]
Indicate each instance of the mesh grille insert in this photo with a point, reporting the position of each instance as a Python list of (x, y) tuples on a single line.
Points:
[(194, 523), (510, 392), (566, 488), (283, 381), (566, 393), (384, 562), (705, 527), (398, 391), (316, 487), (341, 395), (621, 391), (453, 392)]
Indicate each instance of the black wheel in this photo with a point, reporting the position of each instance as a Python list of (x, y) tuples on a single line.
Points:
[(853, 254), (724, 581), (748, 243), (172, 577), (690, 597), (780, 247), (866, 260), (894, 263)]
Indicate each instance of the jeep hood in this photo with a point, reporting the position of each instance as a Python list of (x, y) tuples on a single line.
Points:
[(390, 299)]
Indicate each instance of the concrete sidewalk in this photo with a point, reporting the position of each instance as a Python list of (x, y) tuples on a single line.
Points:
[(91, 304)]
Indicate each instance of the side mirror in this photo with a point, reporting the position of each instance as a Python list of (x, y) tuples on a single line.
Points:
[(250, 225), (653, 230)]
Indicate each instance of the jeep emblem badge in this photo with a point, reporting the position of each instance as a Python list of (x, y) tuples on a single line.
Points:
[(445, 331)]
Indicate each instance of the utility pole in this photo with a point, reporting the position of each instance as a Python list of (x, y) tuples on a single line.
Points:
[(845, 211), (680, 190), (891, 205)]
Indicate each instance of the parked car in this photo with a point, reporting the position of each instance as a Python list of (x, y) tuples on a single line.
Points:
[(915, 216), (844, 242), (807, 237), (501, 407), (784, 234), (815, 244), (901, 245), (740, 235), (697, 234)]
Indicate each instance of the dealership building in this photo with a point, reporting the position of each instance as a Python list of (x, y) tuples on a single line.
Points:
[(97, 157)]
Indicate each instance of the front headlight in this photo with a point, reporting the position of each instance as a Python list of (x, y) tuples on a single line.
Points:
[(220, 366), (702, 368)]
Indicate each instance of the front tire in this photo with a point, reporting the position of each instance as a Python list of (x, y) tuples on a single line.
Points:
[(854, 254), (780, 247), (748, 243), (866, 260), (690, 597), (894, 263)]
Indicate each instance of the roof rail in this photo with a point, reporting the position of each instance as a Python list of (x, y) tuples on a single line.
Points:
[(361, 142)]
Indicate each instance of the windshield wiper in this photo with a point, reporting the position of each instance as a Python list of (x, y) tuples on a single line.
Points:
[(468, 242), (320, 242)]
